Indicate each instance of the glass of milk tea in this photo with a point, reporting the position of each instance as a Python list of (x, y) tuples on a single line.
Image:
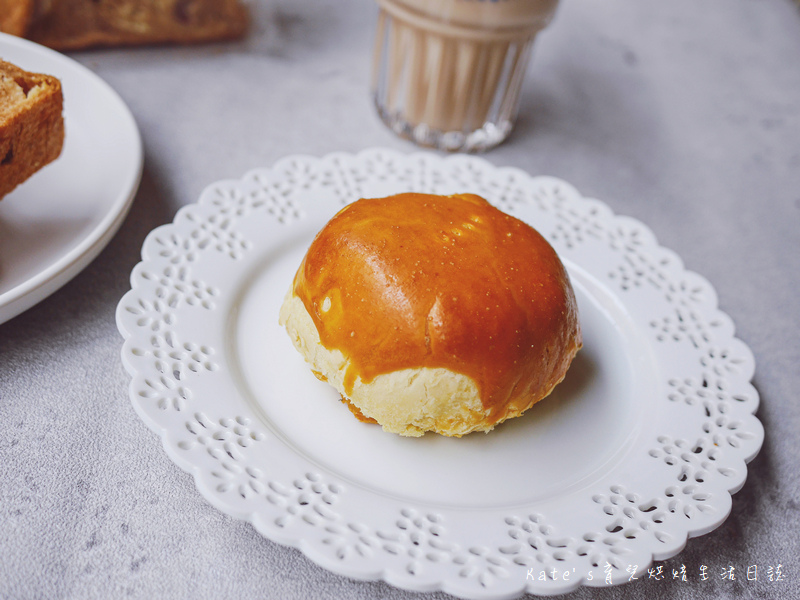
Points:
[(447, 73)]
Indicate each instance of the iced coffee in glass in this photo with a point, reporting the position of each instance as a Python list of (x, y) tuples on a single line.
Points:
[(448, 73)]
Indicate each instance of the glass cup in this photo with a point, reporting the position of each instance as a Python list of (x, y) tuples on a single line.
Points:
[(448, 73)]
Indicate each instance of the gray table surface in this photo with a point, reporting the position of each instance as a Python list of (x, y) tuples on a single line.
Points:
[(682, 114)]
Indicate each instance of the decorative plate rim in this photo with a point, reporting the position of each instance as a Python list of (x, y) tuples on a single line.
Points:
[(705, 400)]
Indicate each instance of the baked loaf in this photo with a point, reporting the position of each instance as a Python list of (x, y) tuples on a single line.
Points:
[(79, 24), (433, 313), (31, 125), (15, 15)]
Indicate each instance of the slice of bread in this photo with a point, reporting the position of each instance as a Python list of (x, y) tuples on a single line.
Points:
[(79, 24), (31, 124)]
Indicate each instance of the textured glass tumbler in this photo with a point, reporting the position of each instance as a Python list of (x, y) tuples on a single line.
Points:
[(448, 73)]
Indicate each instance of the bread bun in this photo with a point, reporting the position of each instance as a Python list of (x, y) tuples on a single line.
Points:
[(433, 313)]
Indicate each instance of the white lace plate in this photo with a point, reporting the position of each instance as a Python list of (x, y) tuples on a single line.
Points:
[(639, 448)]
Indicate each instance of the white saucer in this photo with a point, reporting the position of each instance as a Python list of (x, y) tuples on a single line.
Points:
[(55, 223), (639, 448)]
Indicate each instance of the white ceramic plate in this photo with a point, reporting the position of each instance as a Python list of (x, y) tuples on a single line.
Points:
[(640, 446), (59, 220)]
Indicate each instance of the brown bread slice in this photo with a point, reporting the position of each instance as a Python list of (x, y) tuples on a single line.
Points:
[(79, 24), (31, 125)]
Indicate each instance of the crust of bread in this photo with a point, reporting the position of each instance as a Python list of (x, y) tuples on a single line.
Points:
[(31, 124)]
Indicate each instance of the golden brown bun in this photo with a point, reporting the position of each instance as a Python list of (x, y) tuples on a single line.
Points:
[(433, 313), (31, 125)]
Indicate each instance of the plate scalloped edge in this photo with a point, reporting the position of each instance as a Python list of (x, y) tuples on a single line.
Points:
[(676, 483)]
